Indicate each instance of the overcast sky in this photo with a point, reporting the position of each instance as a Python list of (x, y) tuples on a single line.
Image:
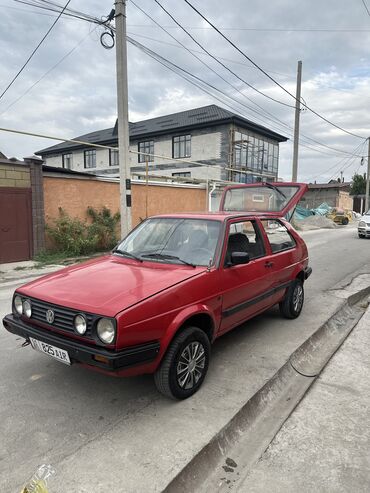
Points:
[(332, 39)]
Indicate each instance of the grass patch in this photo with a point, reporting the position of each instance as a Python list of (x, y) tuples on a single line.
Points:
[(21, 268), (60, 258)]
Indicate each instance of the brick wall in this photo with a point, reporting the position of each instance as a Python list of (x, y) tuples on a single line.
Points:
[(74, 195), (14, 175)]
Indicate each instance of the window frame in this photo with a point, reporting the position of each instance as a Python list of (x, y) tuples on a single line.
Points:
[(116, 152), (185, 136), (257, 228), (70, 154), (89, 153), (181, 174), (146, 156), (294, 243)]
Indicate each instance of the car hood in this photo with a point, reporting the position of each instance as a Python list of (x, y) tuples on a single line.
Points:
[(107, 285)]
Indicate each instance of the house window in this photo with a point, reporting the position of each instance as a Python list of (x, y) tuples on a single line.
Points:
[(181, 146), (67, 161), (184, 174), (90, 158), (147, 150), (113, 157)]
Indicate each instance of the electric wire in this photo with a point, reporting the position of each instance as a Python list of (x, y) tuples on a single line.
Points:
[(47, 72), (198, 83), (268, 75), (97, 21), (217, 60), (273, 117), (34, 51)]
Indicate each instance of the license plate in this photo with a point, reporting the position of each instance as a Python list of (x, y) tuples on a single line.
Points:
[(53, 351)]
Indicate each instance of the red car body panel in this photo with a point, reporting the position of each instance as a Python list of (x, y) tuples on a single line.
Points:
[(151, 301)]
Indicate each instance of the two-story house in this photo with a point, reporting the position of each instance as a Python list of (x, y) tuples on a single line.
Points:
[(207, 143)]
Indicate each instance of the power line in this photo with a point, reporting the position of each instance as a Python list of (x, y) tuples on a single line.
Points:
[(261, 29), (101, 22), (268, 75), (48, 72), (366, 7), (200, 83), (274, 118), (217, 60), (34, 51)]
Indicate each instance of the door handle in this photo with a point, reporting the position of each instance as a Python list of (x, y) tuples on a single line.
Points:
[(269, 264)]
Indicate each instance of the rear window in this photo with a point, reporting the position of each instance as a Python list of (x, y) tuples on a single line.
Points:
[(258, 198)]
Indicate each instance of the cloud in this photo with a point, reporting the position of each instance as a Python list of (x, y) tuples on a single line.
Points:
[(79, 95)]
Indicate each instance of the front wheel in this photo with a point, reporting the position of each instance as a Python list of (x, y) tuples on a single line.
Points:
[(292, 304), (185, 364)]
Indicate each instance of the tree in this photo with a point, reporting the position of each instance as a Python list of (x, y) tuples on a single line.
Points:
[(358, 186)]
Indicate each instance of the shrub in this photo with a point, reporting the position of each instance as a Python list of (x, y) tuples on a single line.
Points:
[(103, 227), (75, 237)]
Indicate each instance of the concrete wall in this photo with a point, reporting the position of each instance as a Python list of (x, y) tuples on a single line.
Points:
[(74, 195), (332, 196), (208, 145), (14, 175)]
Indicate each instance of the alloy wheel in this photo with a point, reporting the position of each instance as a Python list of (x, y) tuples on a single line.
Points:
[(191, 365)]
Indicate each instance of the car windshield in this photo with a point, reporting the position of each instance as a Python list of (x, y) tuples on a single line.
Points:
[(173, 240), (259, 198)]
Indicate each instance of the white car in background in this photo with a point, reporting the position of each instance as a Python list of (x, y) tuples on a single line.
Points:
[(364, 226)]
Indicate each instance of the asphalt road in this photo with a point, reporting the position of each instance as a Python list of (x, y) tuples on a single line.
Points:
[(103, 434)]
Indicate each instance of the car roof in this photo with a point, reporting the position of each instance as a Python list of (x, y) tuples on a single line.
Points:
[(216, 215)]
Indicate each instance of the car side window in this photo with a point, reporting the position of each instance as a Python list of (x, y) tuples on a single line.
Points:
[(245, 237), (278, 235)]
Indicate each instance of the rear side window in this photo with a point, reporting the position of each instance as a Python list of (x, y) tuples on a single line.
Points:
[(278, 235)]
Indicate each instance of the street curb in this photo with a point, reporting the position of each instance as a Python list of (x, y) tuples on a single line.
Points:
[(250, 431)]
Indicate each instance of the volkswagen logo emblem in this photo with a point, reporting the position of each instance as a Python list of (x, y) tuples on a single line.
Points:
[(50, 316)]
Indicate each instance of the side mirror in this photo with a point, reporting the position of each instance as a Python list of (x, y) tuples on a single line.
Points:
[(238, 258)]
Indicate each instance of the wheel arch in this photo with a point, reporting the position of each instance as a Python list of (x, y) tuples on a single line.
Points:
[(199, 316)]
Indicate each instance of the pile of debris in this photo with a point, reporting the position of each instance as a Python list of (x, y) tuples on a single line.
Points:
[(308, 219), (313, 222)]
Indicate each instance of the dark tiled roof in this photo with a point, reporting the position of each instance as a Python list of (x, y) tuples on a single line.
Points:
[(182, 121)]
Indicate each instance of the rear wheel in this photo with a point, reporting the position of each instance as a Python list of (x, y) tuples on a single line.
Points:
[(185, 364), (292, 304), (345, 221)]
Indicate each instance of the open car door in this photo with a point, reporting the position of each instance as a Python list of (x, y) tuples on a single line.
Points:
[(277, 199)]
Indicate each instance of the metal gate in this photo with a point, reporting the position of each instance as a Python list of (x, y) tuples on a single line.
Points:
[(15, 224)]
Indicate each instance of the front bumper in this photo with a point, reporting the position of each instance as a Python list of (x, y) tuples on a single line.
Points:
[(364, 231), (80, 353)]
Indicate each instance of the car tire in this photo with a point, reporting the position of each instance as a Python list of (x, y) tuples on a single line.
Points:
[(345, 221), (185, 364), (292, 304), (361, 236)]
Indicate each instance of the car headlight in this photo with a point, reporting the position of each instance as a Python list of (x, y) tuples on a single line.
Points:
[(80, 324), (106, 330), (27, 308), (362, 224), (18, 305)]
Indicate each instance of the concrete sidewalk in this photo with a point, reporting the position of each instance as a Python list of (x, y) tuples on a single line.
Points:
[(324, 446)]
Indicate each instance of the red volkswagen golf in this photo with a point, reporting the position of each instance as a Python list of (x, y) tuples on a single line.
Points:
[(177, 282)]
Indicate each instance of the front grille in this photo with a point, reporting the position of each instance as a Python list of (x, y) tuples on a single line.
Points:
[(63, 317)]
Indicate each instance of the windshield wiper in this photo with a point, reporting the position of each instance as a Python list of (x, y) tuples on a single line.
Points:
[(268, 185), (126, 254), (167, 256)]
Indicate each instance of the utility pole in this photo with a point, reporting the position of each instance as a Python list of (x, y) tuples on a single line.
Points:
[(122, 116), (296, 122), (367, 177)]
